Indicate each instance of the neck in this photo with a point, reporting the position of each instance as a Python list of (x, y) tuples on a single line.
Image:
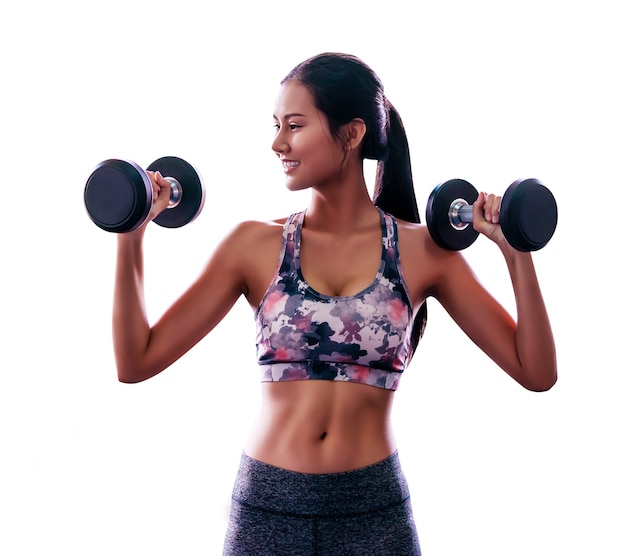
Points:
[(342, 207)]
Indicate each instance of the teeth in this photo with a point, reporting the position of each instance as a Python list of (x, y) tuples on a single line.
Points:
[(290, 164)]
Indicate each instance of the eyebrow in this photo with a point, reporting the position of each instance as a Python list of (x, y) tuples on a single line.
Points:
[(291, 115)]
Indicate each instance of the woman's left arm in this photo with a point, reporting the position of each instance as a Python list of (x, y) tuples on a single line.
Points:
[(525, 349)]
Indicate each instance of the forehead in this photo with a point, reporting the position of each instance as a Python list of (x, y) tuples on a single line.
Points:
[(294, 98)]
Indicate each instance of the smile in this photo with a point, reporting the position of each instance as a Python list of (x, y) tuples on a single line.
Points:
[(289, 165)]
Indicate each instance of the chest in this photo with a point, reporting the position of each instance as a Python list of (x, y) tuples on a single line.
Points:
[(336, 265)]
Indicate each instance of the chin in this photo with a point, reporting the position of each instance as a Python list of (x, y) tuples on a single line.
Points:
[(296, 186)]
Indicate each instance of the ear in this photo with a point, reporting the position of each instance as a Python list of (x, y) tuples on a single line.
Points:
[(354, 133)]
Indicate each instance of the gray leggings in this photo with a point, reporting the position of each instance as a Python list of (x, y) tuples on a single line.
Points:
[(276, 512)]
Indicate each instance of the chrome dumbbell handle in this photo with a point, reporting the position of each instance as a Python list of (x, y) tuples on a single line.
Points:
[(460, 214), (176, 192)]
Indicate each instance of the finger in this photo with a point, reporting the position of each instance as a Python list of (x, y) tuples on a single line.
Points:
[(152, 177), (161, 180), (497, 201), (491, 208), (487, 207), (163, 184), (156, 187), (478, 208)]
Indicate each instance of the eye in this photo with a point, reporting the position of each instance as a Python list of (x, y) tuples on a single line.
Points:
[(292, 126)]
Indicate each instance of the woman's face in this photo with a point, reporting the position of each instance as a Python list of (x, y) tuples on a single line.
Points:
[(310, 156)]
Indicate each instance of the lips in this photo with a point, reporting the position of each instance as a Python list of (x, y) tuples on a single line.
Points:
[(289, 165)]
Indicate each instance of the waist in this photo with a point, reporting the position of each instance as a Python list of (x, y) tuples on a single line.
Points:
[(359, 491)]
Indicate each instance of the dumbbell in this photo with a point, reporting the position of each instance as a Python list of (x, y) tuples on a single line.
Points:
[(119, 196), (528, 214)]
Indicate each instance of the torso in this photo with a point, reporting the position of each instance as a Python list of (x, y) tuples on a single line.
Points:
[(324, 426)]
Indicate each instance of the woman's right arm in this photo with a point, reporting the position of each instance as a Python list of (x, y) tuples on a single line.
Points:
[(142, 350)]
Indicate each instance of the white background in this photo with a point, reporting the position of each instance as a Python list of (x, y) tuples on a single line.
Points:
[(489, 91)]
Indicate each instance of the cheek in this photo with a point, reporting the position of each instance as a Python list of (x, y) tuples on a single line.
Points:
[(329, 154), (320, 157)]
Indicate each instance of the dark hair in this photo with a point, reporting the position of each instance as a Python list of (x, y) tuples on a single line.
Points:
[(345, 88)]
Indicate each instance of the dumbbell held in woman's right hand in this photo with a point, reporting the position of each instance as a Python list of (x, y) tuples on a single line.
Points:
[(528, 215), (118, 194)]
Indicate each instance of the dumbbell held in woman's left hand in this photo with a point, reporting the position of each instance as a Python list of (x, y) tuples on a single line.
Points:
[(528, 215)]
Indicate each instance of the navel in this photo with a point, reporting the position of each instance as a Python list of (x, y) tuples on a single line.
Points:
[(323, 435)]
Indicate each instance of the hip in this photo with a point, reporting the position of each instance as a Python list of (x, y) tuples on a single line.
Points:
[(276, 511)]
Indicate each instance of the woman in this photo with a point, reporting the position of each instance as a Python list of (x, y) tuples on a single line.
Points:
[(339, 294)]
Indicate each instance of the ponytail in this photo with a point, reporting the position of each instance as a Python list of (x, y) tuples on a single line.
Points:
[(393, 189), (394, 192)]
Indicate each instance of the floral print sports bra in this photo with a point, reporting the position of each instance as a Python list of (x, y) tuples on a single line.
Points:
[(305, 335)]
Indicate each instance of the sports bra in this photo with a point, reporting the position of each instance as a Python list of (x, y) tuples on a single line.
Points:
[(305, 335)]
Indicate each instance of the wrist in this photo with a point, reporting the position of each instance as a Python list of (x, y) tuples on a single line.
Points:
[(512, 256), (133, 237)]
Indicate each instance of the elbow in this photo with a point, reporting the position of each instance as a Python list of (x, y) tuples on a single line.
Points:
[(542, 383), (127, 378), (544, 387), (130, 368), (130, 374)]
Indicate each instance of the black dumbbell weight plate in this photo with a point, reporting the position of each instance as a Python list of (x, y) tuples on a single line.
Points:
[(528, 215), (438, 214), (118, 196), (192, 199)]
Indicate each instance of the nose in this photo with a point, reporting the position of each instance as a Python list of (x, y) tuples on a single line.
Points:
[(280, 144)]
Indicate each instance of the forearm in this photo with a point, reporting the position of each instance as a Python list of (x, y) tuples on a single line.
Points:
[(131, 329), (533, 337)]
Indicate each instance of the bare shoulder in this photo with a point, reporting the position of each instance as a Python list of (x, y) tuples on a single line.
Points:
[(425, 264), (416, 242), (413, 234), (249, 234), (417, 237), (250, 230), (252, 248)]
